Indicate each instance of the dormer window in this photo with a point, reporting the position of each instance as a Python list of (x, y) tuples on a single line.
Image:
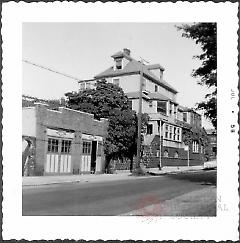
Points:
[(118, 64)]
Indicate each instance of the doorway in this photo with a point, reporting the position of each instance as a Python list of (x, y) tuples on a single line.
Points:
[(93, 156)]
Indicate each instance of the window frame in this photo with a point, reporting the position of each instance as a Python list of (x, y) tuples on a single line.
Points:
[(117, 66), (149, 128), (114, 79), (86, 147), (53, 145), (166, 154), (88, 85), (185, 118), (82, 86), (66, 146), (144, 84), (172, 133), (176, 155), (195, 147), (160, 109)]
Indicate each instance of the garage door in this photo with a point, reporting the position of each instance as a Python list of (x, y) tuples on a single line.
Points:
[(58, 156)]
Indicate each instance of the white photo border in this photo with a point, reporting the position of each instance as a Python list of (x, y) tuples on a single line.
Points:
[(222, 227)]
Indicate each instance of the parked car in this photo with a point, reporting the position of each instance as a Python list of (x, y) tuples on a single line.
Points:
[(210, 165)]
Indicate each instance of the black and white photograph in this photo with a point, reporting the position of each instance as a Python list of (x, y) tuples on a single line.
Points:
[(125, 126), (124, 119)]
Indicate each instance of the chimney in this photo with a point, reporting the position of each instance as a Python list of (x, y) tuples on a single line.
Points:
[(126, 51)]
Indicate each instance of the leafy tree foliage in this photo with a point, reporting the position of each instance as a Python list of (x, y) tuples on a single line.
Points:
[(109, 101), (205, 34), (193, 134)]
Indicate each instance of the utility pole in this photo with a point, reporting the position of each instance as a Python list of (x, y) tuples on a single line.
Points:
[(139, 118), (160, 145)]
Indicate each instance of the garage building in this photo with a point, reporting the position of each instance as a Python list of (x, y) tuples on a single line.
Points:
[(62, 141)]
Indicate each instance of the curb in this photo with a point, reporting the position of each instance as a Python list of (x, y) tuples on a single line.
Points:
[(84, 181)]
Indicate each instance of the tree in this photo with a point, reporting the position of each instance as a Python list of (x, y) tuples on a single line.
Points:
[(205, 34), (109, 101)]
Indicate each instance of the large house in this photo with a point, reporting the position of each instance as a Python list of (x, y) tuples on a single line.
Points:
[(159, 99)]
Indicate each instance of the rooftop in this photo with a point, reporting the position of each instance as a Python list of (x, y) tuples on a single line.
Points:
[(134, 67)]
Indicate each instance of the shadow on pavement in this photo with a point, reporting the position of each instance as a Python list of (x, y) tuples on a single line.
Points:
[(203, 177)]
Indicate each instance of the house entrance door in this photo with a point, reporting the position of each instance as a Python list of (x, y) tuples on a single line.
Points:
[(93, 156)]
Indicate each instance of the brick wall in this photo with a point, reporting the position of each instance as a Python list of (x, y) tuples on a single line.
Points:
[(151, 157), (70, 120)]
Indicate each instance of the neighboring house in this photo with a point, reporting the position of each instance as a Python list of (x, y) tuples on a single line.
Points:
[(62, 141), (159, 100), (212, 134), (53, 104)]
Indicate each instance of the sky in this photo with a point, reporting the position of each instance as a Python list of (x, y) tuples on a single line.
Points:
[(83, 50)]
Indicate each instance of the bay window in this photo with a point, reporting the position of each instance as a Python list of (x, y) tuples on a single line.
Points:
[(172, 133), (162, 107)]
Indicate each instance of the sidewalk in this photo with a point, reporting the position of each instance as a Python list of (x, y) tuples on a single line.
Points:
[(59, 179), (174, 169), (196, 203), (119, 175)]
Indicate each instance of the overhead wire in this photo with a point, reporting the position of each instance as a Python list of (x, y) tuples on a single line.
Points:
[(50, 69)]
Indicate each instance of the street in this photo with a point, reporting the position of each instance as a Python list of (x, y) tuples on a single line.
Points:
[(115, 197)]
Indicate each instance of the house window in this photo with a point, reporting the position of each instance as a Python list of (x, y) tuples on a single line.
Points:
[(166, 131), (176, 155), (165, 154), (185, 116), (66, 146), (86, 147), (171, 132), (53, 145), (174, 133), (130, 104), (161, 107), (150, 104), (119, 64), (82, 86), (88, 85), (195, 147), (116, 81), (149, 128), (144, 84), (178, 134), (156, 88)]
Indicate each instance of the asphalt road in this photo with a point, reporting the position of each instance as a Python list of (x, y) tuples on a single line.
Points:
[(111, 198)]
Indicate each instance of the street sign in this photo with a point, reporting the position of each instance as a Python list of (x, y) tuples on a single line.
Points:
[(186, 148)]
